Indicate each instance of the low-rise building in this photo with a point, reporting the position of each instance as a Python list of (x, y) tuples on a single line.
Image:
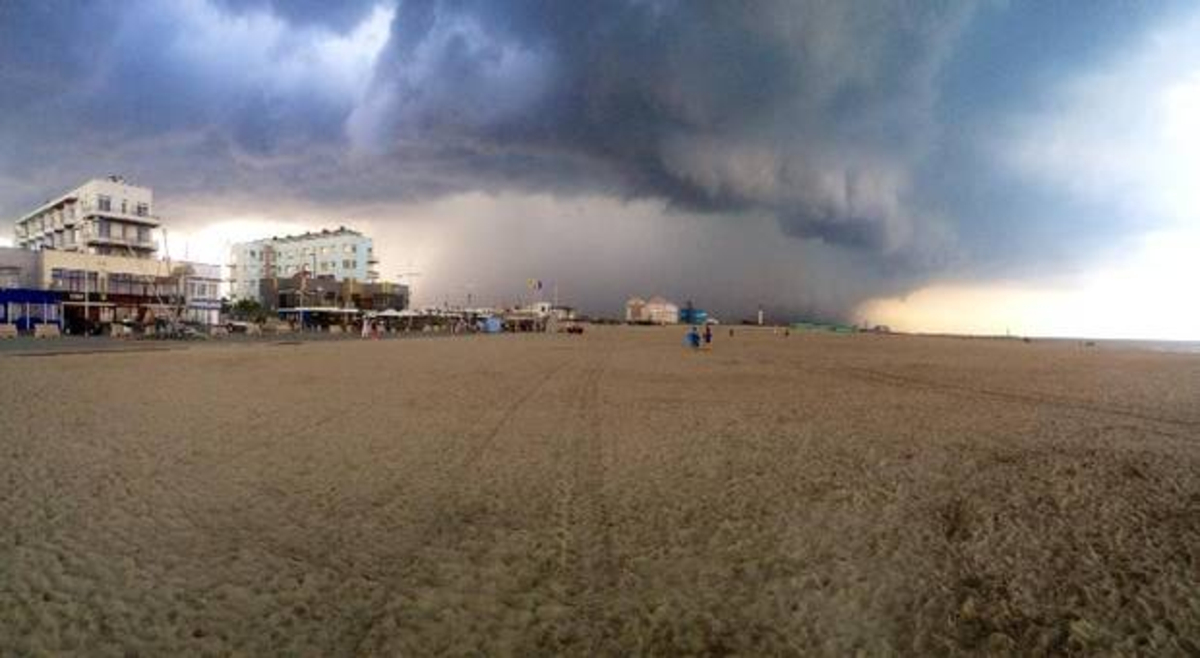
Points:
[(656, 310), (22, 303), (97, 290), (557, 312), (202, 294), (84, 290), (327, 292), (634, 309)]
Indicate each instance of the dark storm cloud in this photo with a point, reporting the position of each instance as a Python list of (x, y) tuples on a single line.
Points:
[(340, 15), (864, 131), (814, 111), (861, 124)]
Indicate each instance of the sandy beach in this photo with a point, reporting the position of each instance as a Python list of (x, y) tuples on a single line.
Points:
[(604, 494)]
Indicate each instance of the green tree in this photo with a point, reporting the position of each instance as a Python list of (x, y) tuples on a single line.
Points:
[(248, 310)]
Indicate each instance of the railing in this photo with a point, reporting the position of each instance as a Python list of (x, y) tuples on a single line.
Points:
[(123, 216), (109, 239)]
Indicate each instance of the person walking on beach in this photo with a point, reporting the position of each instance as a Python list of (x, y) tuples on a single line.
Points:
[(707, 334), (693, 338)]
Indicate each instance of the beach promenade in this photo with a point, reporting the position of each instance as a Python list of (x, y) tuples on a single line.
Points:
[(606, 494)]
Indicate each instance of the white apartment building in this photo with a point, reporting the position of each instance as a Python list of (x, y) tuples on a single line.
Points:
[(343, 254), (104, 216), (95, 248)]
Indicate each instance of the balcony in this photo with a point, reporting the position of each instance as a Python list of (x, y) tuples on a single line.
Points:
[(145, 220), (132, 243)]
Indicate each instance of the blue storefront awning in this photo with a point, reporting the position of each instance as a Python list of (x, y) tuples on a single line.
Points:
[(28, 296)]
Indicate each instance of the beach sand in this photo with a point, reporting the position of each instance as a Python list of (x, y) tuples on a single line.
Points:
[(604, 494)]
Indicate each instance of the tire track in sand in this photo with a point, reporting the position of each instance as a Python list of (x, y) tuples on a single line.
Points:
[(438, 524), (587, 568)]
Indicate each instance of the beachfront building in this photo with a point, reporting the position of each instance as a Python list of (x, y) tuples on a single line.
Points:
[(202, 293), (81, 291), (101, 290), (104, 216), (656, 310), (22, 304), (18, 268), (90, 255), (341, 254), (327, 292), (660, 311), (634, 309), (557, 312)]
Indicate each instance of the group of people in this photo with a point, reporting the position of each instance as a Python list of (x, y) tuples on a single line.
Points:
[(694, 337), (697, 339)]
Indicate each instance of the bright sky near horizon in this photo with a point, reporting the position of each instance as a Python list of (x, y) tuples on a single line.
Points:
[(972, 167)]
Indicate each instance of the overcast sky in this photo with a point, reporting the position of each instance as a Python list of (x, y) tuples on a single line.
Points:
[(1026, 166)]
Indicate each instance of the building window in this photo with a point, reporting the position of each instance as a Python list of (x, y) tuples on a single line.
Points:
[(143, 209), (73, 280), (143, 234), (124, 206), (105, 202), (105, 230)]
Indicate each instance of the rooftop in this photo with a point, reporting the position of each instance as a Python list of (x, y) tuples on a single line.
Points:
[(71, 196), (308, 235)]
